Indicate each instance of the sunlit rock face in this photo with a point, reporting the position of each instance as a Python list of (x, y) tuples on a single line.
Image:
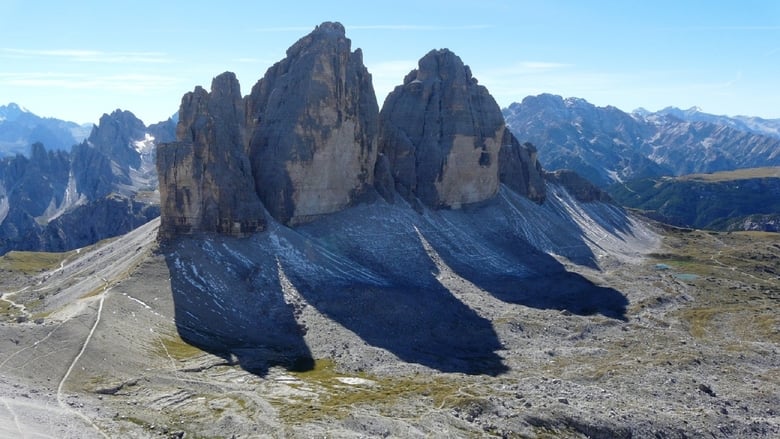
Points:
[(309, 140), (441, 133), (313, 119), (205, 177)]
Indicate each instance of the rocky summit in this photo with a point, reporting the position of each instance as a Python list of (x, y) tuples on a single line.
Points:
[(442, 133), (204, 176), (313, 118), (310, 140)]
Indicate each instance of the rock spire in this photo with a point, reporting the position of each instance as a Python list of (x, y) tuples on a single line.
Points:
[(442, 134), (313, 118), (205, 177), (309, 140)]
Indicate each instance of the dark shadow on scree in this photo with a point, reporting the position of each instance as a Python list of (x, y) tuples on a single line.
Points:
[(548, 285), (226, 314), (422, 324), (406, 311)]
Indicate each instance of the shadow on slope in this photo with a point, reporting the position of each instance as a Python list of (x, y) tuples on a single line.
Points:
[(497, 249), (373, 269), (242, 300), (500, 246), (419, 324), (226, 305), (409, 313)]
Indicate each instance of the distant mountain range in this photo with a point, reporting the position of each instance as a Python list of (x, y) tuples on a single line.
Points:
[(755, 125), (606, 145), (57, 199), (20, 128), (65, 185)]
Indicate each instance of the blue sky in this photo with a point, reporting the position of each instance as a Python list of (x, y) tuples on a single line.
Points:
[(76, 60)]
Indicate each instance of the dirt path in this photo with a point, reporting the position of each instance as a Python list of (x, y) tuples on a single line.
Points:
[(60, 395), (6, 297)]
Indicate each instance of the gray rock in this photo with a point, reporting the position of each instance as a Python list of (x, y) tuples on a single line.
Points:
[(114, 137), (206, 183), (580, 188), (519, 168), (441, 133), (313, 119)]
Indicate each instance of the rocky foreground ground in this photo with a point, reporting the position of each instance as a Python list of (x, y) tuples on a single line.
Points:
[(91, 346)]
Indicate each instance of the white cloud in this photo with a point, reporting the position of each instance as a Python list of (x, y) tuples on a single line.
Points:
[(95, 56)]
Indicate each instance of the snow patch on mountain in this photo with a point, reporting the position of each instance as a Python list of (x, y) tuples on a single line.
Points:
[(145, 145)]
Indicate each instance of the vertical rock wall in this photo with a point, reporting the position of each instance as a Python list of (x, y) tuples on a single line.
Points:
[(206, 183), (441, 133), (313, 118), (309, 139)]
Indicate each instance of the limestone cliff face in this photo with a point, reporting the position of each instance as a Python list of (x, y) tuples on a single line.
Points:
[(519, 169), (309, 140), (442, 133), (313, 119), (205, 177)]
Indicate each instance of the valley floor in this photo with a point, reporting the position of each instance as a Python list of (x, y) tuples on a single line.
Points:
[(91, 348)]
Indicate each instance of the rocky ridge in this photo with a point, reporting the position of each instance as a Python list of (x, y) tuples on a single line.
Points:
[(443, 134), (205, 175), (316, 142), (58, 200), (607, 146)]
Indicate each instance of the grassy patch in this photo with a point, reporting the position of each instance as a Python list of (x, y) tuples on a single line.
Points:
[(172, 346), (94, 292), (32, 262), (6, 309), (747, 322), (738, 289), (334, 399), (738, 174)]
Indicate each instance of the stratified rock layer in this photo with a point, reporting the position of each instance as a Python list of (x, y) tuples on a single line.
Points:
[(206, 182), (441, 133), (313, 118)]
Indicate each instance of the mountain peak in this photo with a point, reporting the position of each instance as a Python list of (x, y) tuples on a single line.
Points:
[(327, 33), (12, 111), (330, 28)]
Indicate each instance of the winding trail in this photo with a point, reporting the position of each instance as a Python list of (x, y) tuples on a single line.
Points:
[(6, 297), (60, 396), (714, 258)]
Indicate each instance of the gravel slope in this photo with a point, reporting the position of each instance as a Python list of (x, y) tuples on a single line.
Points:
[(507, 319)]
